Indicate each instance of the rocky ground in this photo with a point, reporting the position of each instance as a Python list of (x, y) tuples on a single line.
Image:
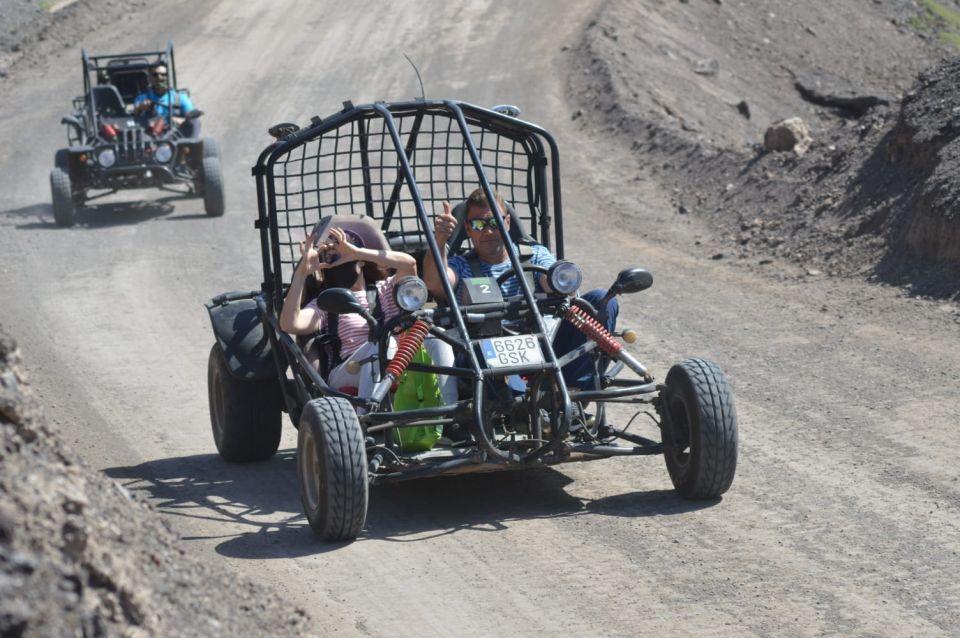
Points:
[(870, 193), (80, 556), (30, 30)]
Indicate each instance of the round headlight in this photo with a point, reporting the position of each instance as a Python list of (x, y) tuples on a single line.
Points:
[(107, 158), (565, 277), (410, 293), (163, 153)]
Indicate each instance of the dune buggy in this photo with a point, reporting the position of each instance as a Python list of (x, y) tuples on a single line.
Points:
[(384, 168), (110, 148)]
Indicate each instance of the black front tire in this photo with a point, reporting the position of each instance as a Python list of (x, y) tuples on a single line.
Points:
[(332, 469), (211, 148), (700, 429), (245, 415), (64, 212), (213, 199)]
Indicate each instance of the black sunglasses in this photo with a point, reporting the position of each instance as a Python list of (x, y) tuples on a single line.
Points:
[(480, 224)]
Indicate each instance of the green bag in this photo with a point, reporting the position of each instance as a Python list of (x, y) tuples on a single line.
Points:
[(417, 390)]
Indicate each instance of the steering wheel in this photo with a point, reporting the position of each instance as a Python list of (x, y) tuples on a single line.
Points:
[(510, 272)]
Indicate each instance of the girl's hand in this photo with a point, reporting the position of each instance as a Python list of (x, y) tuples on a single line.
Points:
[(310, 256), (339, 246)]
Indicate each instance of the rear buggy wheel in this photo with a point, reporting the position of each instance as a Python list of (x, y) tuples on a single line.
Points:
[(62, 159), (213, 200), (245, 415), (332, 469), (700, 429), (64, 212)]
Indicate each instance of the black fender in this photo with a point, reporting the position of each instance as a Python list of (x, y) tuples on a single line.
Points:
[(239, 330)]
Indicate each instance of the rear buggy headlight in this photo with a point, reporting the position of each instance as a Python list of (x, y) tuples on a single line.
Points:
[(106, 158), (164, 153), (565, 277), (410, 293)]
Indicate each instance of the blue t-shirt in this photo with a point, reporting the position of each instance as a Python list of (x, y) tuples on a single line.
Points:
[(511, 287), (162, 103)]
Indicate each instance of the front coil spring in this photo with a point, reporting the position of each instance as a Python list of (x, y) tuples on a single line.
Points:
[(589, 326), (407, 346)]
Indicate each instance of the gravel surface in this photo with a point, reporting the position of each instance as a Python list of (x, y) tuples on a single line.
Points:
[(844, 517)]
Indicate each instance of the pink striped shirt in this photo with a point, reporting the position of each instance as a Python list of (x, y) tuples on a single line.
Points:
[(352, 329)]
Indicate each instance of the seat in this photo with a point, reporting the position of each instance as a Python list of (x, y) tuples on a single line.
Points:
[(130, 82), (107, 101), (517, 232)]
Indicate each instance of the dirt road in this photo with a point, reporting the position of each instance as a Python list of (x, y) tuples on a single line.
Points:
[(845, 514)]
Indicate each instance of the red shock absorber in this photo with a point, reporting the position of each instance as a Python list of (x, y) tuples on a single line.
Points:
[(589, 326), (407, 346)]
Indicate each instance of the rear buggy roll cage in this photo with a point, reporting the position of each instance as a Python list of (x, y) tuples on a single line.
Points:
[(534, 141), (101, 64)]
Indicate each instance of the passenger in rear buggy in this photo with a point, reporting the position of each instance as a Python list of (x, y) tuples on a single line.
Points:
[(345, 263)]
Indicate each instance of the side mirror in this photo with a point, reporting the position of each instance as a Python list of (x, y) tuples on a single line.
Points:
[(192, 115), (632, 280), (339, 301)]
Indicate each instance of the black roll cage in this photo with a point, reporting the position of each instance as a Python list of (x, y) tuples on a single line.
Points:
[(96, 65), (542, 152)]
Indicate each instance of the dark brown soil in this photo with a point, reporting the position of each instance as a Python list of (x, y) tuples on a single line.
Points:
[(80, 556), (873, 197)]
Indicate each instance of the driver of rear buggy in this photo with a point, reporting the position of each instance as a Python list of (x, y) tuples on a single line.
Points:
[(159, 100), (488, 258), (343, 262)]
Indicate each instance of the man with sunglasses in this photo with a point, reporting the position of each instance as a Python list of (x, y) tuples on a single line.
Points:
[(489, 259), (489, 255), (159, 100)]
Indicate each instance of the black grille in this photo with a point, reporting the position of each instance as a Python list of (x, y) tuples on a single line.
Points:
[(130, 145)]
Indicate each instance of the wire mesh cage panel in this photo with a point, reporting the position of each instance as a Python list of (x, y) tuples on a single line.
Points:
[(355, 169)]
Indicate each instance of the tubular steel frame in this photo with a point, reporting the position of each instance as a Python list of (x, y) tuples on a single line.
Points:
[(386, 161)]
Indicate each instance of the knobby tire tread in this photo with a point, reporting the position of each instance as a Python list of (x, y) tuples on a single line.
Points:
[(251, 420), (340, 441), (713, 467), (64, 212), (718, 469)]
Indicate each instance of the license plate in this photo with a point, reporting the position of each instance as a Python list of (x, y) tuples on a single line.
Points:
[(503, 352)]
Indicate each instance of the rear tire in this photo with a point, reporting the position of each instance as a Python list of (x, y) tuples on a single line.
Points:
[(213, 200), (62, 159), (245, 415), (332, 469), (64, 212), (700, 433)]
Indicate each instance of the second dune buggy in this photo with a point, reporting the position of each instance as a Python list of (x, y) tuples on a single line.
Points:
[(381, 169), (111, 149)]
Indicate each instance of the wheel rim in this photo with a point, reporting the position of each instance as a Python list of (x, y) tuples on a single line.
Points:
[(680, 434), (310, 475)]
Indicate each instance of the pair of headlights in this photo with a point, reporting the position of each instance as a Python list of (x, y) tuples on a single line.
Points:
[(163, 154), (410, 292)]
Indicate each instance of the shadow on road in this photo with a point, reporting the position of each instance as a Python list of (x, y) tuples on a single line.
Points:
[(259, 507), (104, 215)]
